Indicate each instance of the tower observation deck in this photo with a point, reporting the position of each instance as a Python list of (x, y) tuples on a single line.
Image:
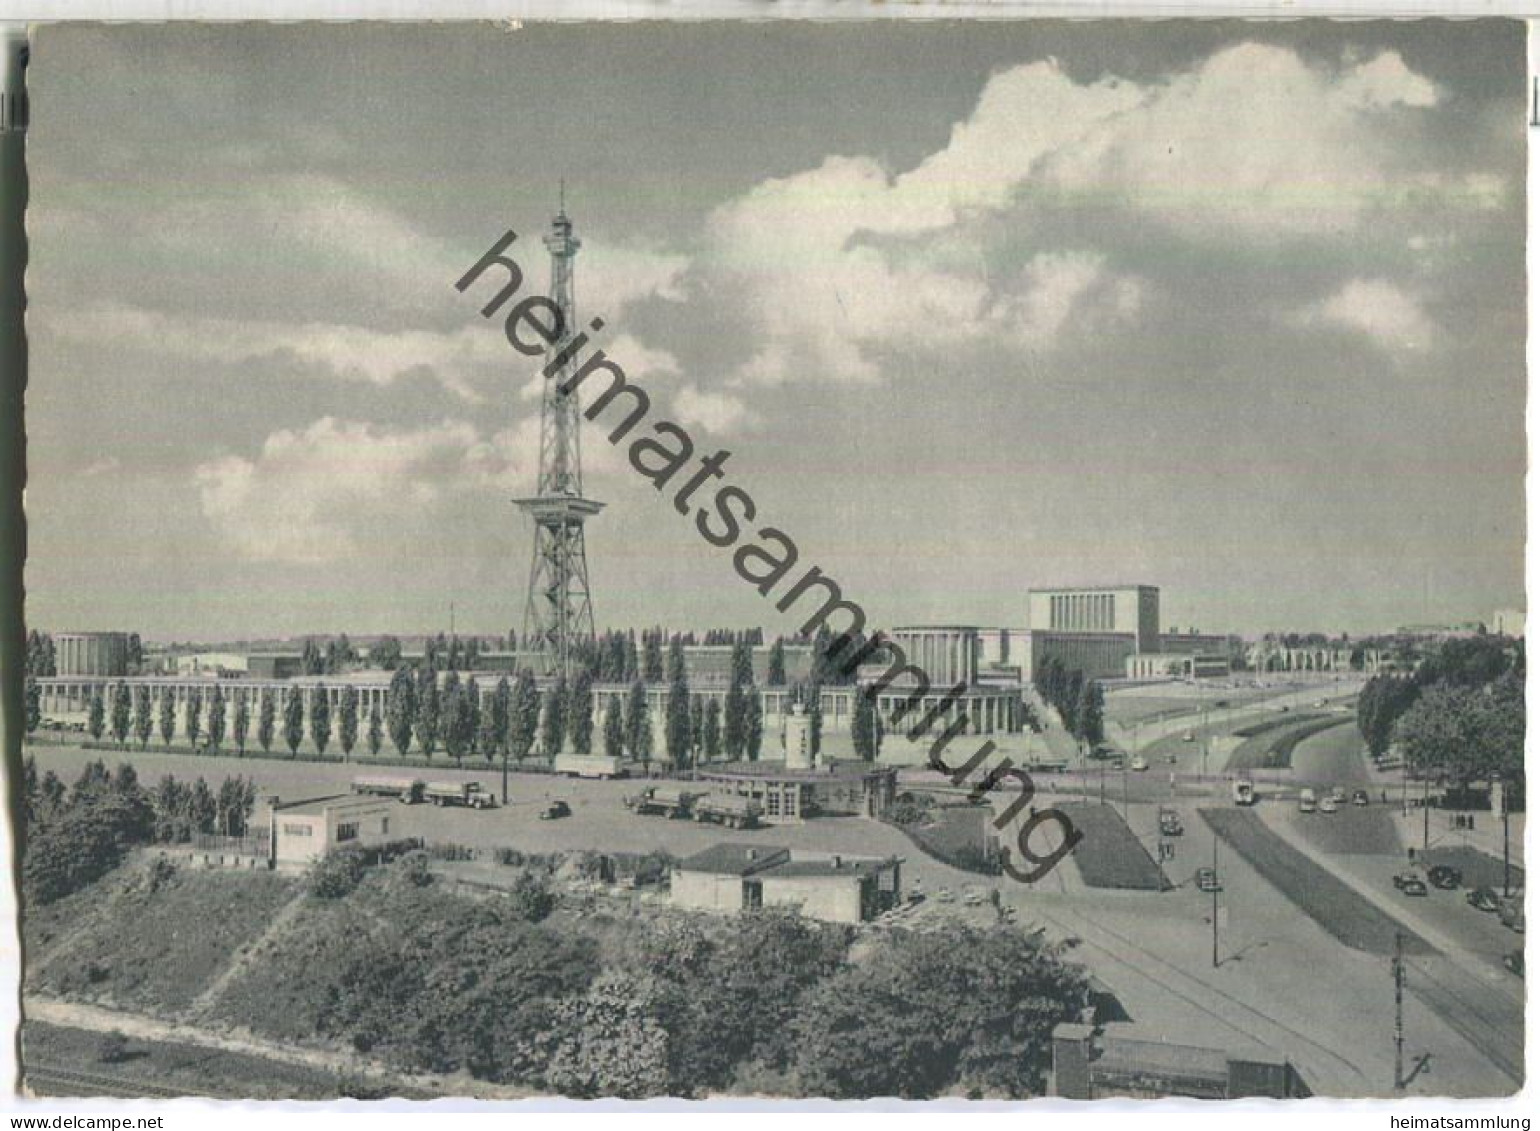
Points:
[(558, 611)]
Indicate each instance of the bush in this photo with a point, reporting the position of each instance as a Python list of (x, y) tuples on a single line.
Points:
[(531, 897), (451, 852), (912, 808), (113, 1048), (412, 868), (338, 873)]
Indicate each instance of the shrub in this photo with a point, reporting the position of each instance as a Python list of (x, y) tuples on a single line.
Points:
[(531, 897), (113, 1048), (336, 874), (412, 868)]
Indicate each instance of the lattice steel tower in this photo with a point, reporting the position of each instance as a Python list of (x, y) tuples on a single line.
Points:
[(558, 613)]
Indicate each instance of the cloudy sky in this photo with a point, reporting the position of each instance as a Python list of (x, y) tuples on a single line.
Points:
[(1233, 309)]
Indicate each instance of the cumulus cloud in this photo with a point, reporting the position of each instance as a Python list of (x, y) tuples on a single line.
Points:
[(834, 264), (353, 353), (1378, 309), (338, 487), (714, 411), (309, 496)]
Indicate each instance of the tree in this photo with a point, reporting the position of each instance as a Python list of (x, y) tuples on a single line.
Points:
[(320, 718), (96, 716), (553, 718), (523, 715), (347, 720), (735, 712), (122, 712), (652, 656), (1088, 713), (401, 710), (866, 727), (376, 733), (242, 726), (34, 695), (458, 720), (711, 744), (977, 1015), (167, 715), (217, 717), (614, 729), (697, 724), (385, 653), (192, 716), (425, 724), (266, 710), (815, 717), (639, 723), (580, 714), (144, 715), (293, 719), (616, 1040), (776, 675), (676, 711), (493, 740), (753, 727)]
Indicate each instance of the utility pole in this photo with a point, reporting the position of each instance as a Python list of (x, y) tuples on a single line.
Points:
[(1398, 971), (1507, 868), (1424, 814), (1214, 911)]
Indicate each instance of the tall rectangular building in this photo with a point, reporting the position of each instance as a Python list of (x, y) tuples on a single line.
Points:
[(1093, 628)]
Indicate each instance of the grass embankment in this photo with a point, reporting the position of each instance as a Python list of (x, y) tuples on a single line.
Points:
[(958, 834), (1111, 856), (149, 938), (53, 1054), (1270, 745)]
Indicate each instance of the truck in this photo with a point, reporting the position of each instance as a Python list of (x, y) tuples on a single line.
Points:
[(467, 793), (727, 809), (1243, 792), (664, 800), (408, 791), (587, 766)]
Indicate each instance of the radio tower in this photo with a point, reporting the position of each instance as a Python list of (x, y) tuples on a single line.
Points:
[(558, 613)]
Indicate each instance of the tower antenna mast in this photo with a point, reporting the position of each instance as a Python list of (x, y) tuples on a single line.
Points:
[(558, 608)]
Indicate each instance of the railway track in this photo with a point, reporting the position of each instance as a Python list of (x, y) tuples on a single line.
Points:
[(1481, 1023), (1086, 928), (53, 1080)]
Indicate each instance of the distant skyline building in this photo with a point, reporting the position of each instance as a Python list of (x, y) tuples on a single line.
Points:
[(1093, 628), (91, 653)]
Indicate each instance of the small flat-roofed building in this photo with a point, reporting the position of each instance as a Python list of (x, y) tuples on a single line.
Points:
[(788, 795), (1127, 1060), (303, 831), (829, 886)]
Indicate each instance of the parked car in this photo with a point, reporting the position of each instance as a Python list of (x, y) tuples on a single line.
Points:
[(555, 811), (1514, 960), (1401, 878), (1413, 885), (1170, 823), (1510, 913), (1189, 737), (1444, 877), (1328, 805), (1482, 899), (1139, 764), (1307, 801), (1339, 795), (1208, 880), (1360, 797)]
